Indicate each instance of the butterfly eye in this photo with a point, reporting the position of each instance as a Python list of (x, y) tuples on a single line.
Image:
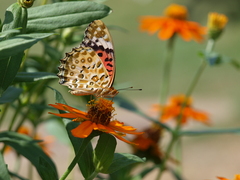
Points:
[(71, 73), (83, 60), (77, 61), (73, 66)]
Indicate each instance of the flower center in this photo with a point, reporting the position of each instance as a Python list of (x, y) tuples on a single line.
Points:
[(176, 12), (100, 111)]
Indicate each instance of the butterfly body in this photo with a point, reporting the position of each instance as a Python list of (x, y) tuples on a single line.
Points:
[(90, 68)]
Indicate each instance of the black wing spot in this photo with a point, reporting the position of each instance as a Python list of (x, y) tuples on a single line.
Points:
[(108, 60), (100, 54), (108, 64)]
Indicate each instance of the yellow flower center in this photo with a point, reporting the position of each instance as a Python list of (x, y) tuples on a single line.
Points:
[(176, 11), (100, 111), (217, 21)]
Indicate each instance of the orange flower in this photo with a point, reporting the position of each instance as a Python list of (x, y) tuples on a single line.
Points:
[(237, 177), (174, 22), (173, 110), (148, 144), (98, 117)]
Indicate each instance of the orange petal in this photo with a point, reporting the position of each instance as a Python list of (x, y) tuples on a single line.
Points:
[(167, 31), (124, 140), (64, 115), (221, 178), (116, 125), (83, 130)]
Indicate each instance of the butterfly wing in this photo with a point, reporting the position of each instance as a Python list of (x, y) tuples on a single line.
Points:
[(99, 39), (90, 69), (83, 71)]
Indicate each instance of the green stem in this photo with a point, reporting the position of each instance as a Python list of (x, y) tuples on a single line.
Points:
[(92, 176), (175, 132), (77, 157), (17, 111), (4, 111), (167, 71)]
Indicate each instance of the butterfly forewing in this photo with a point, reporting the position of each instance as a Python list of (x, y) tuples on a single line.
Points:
[(99, 39)]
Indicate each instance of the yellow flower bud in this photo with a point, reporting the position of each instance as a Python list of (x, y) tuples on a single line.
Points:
[(216, 24)]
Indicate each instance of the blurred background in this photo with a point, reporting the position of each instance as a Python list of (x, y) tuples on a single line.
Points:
[(139, 59)]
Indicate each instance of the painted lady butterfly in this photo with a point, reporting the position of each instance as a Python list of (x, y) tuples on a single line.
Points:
[(90, 68)]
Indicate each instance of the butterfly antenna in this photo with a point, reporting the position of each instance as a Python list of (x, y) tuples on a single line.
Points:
[(130, 89)]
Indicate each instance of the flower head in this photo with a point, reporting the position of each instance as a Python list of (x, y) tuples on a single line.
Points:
[(148, 144), (99, 117), (216, 24), (237, 177), (173, 22), (174, 109)]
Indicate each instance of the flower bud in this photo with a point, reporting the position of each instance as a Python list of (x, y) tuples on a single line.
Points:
[(216, 24)]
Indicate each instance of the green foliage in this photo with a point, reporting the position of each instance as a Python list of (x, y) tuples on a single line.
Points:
[(10, 95), (28, 148), (104, 153), (3, 169), (64, 14)]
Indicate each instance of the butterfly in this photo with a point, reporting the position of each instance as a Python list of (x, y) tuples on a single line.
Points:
[(90, 68)]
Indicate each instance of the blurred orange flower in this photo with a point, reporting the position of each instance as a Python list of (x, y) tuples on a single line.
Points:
[(173, 22), (98, 117), (43, 144), (173, 110), (147, 144), (237, 177)]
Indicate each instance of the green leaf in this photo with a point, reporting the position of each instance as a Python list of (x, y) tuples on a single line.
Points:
[(3, 169), (122, 160), (10, 95), (8, 70), (104, 152), (27, 147), (33, 76), (52, 52), (15, 17), (8, 32), (19, 43), (46, 169), (65, 14), (124, 103), (86, 162)]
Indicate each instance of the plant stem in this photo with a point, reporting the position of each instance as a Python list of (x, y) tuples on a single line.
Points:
[(17, 111), (4, 111), (176, 131), (167, 71), (92, 176), (77, 157)]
